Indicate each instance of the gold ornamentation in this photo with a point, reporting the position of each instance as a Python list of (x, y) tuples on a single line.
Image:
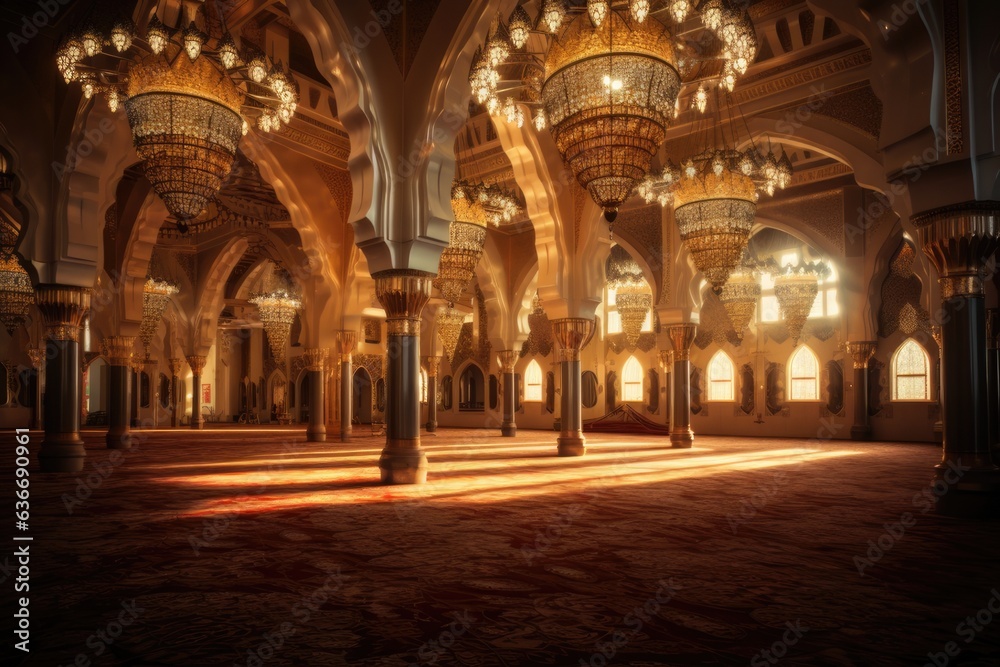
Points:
[(959, 239), (432, 364), (37, 357), (961, 286), (449, 328), (63, 309), (155, 299), (739, 297), (118, 349), (862, 352), (63, 332), (347, 342), (666, 359), (16, 293), (176, 366), (796, 289), (403, 327), (315, 358), (571, 335), (197, 363), (681, 338), (506, 360), (402, 292), (277, 313)]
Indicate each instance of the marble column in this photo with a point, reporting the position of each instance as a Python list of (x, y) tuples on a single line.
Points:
[(507, 359), (346, 342), (666, 358), (571, 335), (403, 295), (993, 378), (176, 366), (959, 240), (197, 364), (118, 351), (681, 337), (315, 359), (861, 352), (432, 364), (62, 310), (37, 356)]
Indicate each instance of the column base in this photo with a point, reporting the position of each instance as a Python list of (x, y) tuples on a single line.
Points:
[(62, 453), (403, 462), (938, 432), (197, 426), (431, 427), (571, 445), (861, 432), (508, 430), (118, 440), (316, 435), (682, 439), (966, 491), (345, 436)]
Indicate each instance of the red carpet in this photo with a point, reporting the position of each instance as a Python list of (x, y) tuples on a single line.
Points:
[(217, 541)]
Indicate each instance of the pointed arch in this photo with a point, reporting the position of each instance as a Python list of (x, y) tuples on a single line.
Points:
[(533, 382), (803, 374), (632, 380), (910, 368), (721, 378)]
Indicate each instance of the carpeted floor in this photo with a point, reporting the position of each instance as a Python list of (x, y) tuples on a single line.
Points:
[(256, 548)]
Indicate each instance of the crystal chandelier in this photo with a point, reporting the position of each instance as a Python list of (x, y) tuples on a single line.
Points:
[(155, 298), (739, 297), (277, 313), (16, 292), (633, 300), (189, 98), (796, 289), (449, 326), (466, 240)]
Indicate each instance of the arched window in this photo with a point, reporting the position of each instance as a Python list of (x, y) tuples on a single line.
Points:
[(471, 389), (632, 380), (804, 375), (423, 386), (910, 373), (721, 378), (533, 382)]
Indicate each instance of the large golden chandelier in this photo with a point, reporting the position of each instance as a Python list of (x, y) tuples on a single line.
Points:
[(449, 327), (633, 296), (277, 313), (16, 292), (796, 288), (607, 80), (189, 98), (155, 299), (739, 297)]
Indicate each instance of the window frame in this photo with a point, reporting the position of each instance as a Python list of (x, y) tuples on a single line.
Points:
[(731, 381), (801, 349), (894, 375), (529, 386), (625, 396)]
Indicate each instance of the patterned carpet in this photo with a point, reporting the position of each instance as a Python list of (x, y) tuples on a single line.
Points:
[(256, 548)]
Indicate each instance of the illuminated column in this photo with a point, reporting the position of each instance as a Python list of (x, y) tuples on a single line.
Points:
[(960, 240), (681, 338), (862, 352), (403, 294), (197, 364), (346, 342), (993, 378), (37, 356), (432, 364), (62, 310), (571, 334), (118, 351), (939, 383), (315, 359), (176, 366), (507, 360), (666, 363)]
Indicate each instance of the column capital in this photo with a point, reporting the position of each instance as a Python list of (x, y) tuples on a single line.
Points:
[(176, 366), (118, 349), (62, 308), (37, 356), (347, 342), (681, 338), (403, 294), (506, 360), (572, 334), (315, 358), (432, 364), (959, 241), (197, 363), (862, 352), (666, 358)]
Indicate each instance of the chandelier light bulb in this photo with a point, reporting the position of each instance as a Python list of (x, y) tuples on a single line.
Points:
[(88, 88), (492, 104), (69, 73), (113, 100), (74, 50), (91, 41), (497, 50), (157, 35), (639, 9), (520, 117), (690, 171), (679, 10), (598, 10), (553, 15), (519, 27), (540, 120), (193, 40), (711, 14), (229, 55), (246, 127), (276, 80), (257, 67), (121, 36), (700, 100)]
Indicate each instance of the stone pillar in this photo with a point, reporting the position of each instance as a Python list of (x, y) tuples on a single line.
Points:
[(346, 342), (197, 364), (118, 351), (960, 240), (137, 368), (176, 366), (666, 358), (432, 364), (37, 356), (403, 294), (681, 338), (938, 383), (571, 335), (993, 378), (862, 352), (507, 360), (62, 310), (315, 359)]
